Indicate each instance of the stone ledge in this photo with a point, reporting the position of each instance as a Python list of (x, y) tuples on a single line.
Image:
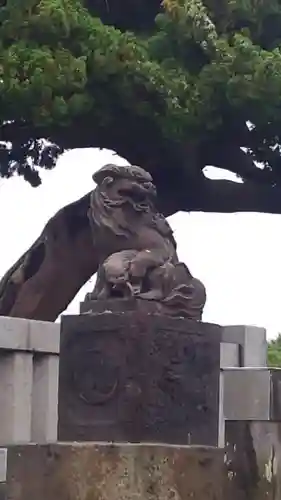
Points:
[(93, 471), (20, 334), (252, 340)]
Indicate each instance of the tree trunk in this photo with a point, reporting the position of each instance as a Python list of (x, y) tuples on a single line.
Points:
[(42, 283)]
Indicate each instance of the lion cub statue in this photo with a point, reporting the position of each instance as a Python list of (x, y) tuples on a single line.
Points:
[(136, 246)]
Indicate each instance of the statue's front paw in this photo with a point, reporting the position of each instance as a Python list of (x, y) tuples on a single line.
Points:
[(103, 294), (152, 295), (133, 289)]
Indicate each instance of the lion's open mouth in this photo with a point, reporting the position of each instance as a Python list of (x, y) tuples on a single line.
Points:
[(138, 193), (135, 196)]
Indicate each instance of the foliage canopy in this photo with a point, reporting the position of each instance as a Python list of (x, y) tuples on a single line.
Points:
[(173, 86), (274, 352)]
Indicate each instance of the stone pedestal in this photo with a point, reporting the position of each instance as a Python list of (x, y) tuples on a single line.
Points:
[(138, 377), (113, 472)]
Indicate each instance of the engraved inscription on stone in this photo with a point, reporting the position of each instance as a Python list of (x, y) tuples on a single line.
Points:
[(95, 381)]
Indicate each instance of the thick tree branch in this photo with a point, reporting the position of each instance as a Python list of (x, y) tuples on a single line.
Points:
[(224, 151), (227, 197), (45, 279)]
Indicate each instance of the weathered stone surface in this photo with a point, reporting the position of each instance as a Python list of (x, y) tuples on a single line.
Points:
[(3, 491), (3, 473), (229, 355), (137, 249), (3, 464), (135, 377), (253, 461), (252, 344), (15, 396), (29, 335), (117, 305), (275, 394), (114, 472), (29, 358), (44, 415), (252, 394)]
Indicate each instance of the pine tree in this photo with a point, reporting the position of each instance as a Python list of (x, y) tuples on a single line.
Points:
[(172, 86)]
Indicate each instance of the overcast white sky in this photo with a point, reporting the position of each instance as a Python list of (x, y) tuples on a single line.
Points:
[(237, 256)]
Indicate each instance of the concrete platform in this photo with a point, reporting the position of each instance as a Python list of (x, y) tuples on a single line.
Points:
[(92, 471)]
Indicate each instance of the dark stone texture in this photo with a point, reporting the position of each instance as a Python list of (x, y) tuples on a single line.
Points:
[(275, 395), (252, 394), (3, 491), (253, 460), (135, 377), (137, 249), (124, 305), (90, 471)]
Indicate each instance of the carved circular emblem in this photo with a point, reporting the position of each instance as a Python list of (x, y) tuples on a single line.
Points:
[(94, 377)]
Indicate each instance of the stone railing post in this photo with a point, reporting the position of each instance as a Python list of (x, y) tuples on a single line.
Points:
[(243, 346), (29, 359)]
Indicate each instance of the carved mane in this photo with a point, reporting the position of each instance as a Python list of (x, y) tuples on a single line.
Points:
[(109, 209), (106, 213)]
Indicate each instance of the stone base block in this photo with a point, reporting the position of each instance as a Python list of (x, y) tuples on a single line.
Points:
[(252, 394), (137, 377), (253, 460), (113, 472)]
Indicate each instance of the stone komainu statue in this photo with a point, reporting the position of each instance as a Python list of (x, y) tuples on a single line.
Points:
[(136, 245)]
